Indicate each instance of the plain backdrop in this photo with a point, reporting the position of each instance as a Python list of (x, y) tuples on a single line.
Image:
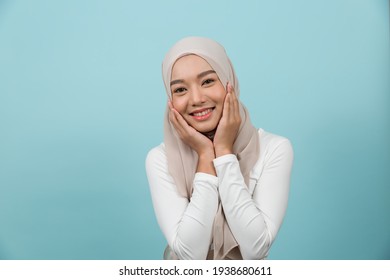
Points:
[(82, 102)]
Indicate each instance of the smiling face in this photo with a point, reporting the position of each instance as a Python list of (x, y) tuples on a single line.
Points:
[(197, 93)]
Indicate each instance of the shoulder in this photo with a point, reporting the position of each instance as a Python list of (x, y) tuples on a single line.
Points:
[(270, 141), (156, 166), (156, 157), (158, 151), (274, 147)]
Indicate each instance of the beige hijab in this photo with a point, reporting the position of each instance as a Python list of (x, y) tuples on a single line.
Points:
[(182, 160)]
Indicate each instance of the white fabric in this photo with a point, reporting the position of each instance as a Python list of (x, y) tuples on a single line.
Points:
[(254, 214)]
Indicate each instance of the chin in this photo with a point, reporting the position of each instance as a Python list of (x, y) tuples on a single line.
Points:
[(205, 129)]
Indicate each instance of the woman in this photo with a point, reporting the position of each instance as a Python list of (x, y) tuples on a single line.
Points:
[(219, 185)]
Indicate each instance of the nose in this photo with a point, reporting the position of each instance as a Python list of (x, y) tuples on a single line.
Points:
[(197, 96)]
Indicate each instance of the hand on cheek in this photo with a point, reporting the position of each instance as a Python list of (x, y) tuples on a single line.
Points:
[(197, 141), (228, 125)]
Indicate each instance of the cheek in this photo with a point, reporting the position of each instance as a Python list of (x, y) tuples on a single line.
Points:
[(179, 104), (221, 97)]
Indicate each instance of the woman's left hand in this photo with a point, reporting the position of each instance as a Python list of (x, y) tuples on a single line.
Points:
[(228, 125)]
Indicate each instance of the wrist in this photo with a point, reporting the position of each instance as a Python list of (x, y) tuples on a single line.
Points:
[(207, 155), (205, 163), (223, 151)]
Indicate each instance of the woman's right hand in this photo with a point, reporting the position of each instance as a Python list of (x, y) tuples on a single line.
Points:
[(197, 141)]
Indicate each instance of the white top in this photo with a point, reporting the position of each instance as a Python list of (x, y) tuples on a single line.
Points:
[(254, 213)]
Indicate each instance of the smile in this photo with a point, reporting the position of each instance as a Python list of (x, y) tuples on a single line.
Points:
[(203, 114)]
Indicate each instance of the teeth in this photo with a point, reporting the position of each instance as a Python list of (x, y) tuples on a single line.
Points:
[(199, 114)]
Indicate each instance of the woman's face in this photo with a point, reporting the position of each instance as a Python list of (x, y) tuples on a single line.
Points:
[(197, 93)]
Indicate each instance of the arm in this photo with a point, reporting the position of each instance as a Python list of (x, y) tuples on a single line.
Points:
[(187, 226), (255, 220)]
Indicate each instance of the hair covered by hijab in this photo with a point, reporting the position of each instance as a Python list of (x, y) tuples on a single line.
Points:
[(182, 160)]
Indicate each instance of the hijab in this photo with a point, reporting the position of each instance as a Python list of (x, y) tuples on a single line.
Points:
[(182, 160)]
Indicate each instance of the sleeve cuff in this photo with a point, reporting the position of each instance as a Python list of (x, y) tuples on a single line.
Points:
[(224, 159), (204, 177)]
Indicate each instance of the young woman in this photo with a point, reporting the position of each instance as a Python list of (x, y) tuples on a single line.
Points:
[(219, 185)]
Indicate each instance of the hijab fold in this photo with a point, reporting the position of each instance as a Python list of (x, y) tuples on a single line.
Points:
[(182, 160)]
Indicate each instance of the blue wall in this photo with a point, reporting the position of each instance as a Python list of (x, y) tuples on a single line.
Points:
[(81, 103)]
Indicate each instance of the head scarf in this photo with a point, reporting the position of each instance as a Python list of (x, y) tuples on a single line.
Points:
[(182, 160)]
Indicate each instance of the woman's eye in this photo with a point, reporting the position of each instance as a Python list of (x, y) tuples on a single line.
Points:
[(207, 82), (179, 90)]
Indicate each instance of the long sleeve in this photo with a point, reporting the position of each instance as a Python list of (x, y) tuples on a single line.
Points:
[(186, 225), (255, 219)]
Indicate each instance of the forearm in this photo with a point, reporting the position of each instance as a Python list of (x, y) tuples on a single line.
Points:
[(255, 218), (194, 231), (205, 163), (185, 223), (245, 220)]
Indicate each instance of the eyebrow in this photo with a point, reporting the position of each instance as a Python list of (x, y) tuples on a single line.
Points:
[(200, 75)]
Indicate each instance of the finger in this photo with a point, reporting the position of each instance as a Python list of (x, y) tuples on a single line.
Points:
[(233, 92), (173, 116), (226, 106), (170, 111), (228, 88), (231, 101), (234, 95), (231, 107), (185, 128), (235, 107), (180, 119)]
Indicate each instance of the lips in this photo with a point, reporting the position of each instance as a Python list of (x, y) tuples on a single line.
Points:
[(202, 114)]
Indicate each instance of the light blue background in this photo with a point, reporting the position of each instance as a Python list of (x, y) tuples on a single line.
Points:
[(82, 101)]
